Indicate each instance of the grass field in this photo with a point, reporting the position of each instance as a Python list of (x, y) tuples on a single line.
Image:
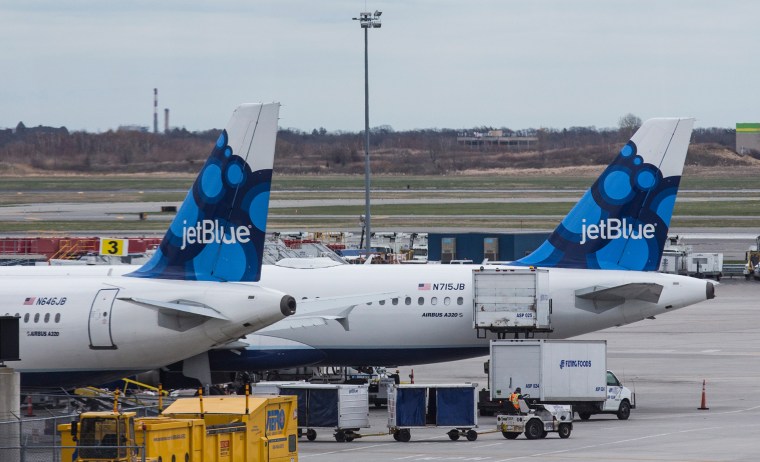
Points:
[(170, 189)]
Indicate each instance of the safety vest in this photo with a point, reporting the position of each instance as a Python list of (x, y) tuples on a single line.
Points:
[(514, 399)]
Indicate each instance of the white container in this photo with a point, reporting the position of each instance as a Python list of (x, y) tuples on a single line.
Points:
[(549, 370), (340, 406)]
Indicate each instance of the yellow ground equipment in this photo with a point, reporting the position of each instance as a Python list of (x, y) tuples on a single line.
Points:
[(212, 429)]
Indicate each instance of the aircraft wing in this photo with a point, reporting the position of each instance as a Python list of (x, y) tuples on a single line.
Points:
[(598, 298), (181, 306), (318, 311)]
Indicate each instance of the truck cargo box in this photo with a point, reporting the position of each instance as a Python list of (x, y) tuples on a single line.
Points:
[(549, 370)]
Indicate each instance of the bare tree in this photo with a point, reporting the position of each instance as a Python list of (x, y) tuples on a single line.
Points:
[(628, 124)]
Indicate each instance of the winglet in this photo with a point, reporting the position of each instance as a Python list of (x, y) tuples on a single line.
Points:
[(218, 233), (622, 221)]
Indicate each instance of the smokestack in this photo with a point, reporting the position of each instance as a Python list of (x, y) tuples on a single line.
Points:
[(166, 120), (155, 110)]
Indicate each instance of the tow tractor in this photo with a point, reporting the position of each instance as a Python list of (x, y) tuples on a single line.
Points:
[(537, 421)]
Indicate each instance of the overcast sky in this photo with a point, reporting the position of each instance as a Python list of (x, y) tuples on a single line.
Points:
[(93, 64)]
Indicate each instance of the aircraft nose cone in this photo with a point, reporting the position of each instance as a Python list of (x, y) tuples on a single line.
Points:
[(710, 291), (288, 305)]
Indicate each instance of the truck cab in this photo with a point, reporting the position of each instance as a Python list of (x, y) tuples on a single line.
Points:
[(620, 400), (102, 436)]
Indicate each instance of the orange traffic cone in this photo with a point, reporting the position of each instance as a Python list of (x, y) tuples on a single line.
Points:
[(703, 407)]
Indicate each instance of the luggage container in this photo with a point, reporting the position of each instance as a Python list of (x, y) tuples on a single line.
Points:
[(440, 405), (343, 407)]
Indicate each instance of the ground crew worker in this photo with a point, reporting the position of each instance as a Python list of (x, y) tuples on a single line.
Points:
[(514, 397)]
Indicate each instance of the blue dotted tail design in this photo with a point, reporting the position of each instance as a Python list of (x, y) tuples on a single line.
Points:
[(218, 233), (620, 223)]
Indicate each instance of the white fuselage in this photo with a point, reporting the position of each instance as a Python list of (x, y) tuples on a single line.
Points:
[(435, 325), (441, 316), (77, 325)]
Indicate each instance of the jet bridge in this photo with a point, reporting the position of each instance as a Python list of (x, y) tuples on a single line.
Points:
[(511, 301)]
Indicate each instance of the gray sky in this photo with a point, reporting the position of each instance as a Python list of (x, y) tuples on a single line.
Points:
[(93, 64)]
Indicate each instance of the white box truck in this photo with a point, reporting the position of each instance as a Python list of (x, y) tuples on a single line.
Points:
[(559, 372)]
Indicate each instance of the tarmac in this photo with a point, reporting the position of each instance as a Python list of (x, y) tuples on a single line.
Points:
[(664, 361)]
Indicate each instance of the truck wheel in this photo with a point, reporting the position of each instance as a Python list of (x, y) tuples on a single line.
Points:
[(510, 435), (311, 434), (453, 435), (584, 415), (624, 411), (405, 435), (533, 429), (340, 436), (472, 435), (564, 430)]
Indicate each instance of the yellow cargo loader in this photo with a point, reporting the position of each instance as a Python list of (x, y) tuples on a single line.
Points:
[(212, 429)]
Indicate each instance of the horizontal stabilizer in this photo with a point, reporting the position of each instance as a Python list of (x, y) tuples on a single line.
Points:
[(317, 311), (645, 291), (597, 299), (335, 305), (181, 306), (236, 345)]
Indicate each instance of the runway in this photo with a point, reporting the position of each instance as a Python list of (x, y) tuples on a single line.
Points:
[(664, 360)]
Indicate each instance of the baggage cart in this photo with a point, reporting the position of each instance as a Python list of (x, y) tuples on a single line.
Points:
[(440, 405)]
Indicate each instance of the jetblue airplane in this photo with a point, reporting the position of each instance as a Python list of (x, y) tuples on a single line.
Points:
[(197, 292), (595, 271)]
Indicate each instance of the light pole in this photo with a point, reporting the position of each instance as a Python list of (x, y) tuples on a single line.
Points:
[(367, 20)]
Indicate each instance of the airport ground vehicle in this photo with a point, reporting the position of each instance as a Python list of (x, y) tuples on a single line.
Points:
[(556, 372), (537, 422), (213, 429)]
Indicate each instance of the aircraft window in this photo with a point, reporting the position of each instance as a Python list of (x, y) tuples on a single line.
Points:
[(394, 301), (434, 301), (36, 318), (57, 317), (420, 300), (381, 302), (47, 317), (447, 301), (460, 300), (408, 300), (26, 317), (369, 303)]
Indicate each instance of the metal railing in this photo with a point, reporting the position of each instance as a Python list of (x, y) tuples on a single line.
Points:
[(36, 439)]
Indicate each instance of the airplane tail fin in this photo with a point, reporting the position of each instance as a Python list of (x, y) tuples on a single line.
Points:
[(622, 221), (218, 233)]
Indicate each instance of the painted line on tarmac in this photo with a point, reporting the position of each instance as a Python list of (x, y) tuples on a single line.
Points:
[(690, 414), (610, 443), (359, 448)]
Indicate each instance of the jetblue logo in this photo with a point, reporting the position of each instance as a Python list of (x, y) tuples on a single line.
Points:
[(614, 228), (573, 363), (211, 232), (275, 420)]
